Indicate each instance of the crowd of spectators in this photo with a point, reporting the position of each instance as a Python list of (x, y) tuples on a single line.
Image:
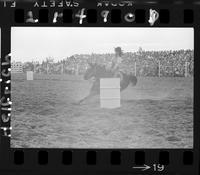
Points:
[(141, 63)]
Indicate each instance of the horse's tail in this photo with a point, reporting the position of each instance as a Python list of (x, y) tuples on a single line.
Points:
[(133, 80)]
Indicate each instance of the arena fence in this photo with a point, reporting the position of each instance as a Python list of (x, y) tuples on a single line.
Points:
[(157, 69), (183, 70)]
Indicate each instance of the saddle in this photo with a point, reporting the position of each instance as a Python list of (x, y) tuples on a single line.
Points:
[(118, 74)]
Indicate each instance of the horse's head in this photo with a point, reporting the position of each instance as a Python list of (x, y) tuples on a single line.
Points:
[(97, 71), (91, 71)]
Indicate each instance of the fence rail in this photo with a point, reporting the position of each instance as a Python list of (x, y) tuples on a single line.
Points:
[(186, 70)]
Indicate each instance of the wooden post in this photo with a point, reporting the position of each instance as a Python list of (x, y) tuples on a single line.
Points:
[(77, 69), (61, 71), (186, 69), (47, 68), (158, 68), (62, 68), (33, 66), (135, 69)]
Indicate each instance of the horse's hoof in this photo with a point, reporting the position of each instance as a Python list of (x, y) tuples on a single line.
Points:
[(76, 103)]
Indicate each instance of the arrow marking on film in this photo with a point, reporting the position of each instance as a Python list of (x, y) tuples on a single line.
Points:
[(143, 168)]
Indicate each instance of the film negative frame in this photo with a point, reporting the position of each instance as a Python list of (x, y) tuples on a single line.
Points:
[(96, 161)]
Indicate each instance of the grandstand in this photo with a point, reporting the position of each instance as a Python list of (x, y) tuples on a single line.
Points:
[(178, 63), (16, 67)]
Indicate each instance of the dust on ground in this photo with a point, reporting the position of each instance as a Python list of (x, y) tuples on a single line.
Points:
[(156, 113)]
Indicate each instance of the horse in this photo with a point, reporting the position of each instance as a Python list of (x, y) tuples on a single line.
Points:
[(97, 72)]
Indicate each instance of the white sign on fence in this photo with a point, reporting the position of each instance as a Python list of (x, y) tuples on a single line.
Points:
[(110, 92), (29, 75)]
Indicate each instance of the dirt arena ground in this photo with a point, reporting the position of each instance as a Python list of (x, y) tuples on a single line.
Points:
[(156, 113)]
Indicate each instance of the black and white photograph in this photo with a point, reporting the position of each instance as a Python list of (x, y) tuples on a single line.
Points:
[(90, 87)]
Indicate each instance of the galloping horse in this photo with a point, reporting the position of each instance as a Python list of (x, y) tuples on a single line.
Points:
[(97, 71)]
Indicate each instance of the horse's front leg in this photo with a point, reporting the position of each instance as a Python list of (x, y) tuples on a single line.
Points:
[(82, 100), (86, 98)]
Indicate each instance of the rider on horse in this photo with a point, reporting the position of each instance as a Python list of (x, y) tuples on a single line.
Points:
[(116, 62)]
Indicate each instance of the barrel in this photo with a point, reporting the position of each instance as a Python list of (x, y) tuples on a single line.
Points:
[(110, 93), (29, 75)]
